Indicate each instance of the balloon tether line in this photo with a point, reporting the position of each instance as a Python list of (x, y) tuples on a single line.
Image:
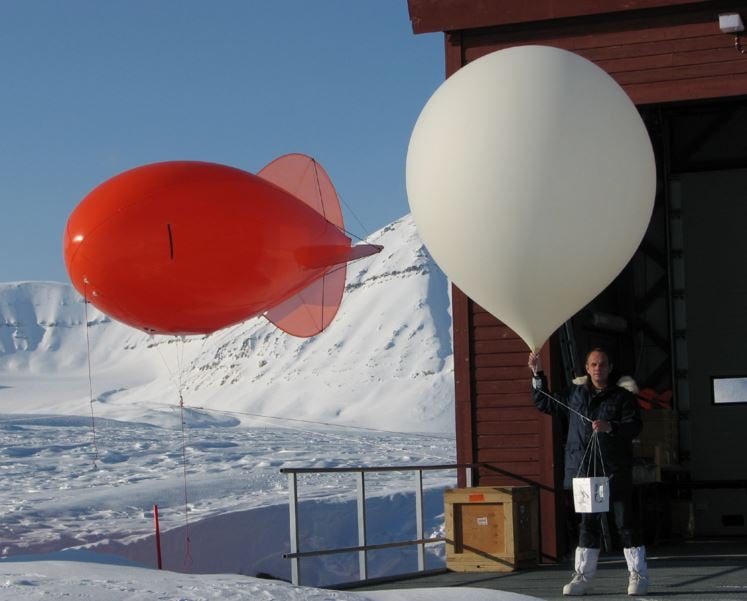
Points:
[(324, 214), (324, 280), (178, 381), (342, 200), (347, 231), (90, 378), (187, 540), (319, 188), (549, 396)]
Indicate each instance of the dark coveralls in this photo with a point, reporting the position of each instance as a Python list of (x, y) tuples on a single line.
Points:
[(618, 407)]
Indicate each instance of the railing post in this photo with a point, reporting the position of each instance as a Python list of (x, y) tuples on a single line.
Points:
[(363, 554), (293, 521), (419, 519), (362, 548)]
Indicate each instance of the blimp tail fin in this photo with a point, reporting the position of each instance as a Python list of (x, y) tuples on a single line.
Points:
[(307, 180), (310, 311)]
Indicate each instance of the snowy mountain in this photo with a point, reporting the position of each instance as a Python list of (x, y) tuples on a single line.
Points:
[(376, 388), (385, 362)]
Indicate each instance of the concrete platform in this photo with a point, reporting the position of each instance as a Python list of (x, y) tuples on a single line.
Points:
[(702, 570)]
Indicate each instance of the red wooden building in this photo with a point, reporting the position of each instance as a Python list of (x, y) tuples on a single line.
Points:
[(676, 318)]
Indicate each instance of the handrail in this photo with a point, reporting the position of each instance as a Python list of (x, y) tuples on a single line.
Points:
[(375, 547), (387, 468), (363, 546), (295, 554), (468, 467)]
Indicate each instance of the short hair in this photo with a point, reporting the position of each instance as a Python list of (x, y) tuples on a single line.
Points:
[(598, 349)]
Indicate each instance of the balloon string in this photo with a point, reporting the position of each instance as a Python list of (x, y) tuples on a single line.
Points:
[(177, 380), (596, 450), (319, 188), (583, 459), (180, 368), (571, 409), (324, 279), (594, 442), (187, 540), (599, 451), (360, 223), (90, 377), (324, 210)]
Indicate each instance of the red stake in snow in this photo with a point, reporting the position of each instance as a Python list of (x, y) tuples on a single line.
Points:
[(158, 537)]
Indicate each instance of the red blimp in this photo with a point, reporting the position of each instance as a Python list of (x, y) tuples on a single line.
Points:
[(188, 247)]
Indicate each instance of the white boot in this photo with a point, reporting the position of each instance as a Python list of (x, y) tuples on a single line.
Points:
[(586, 567), (638, 581)]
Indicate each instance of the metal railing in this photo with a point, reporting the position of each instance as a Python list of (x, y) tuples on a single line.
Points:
[(363, 546), (470, 470)]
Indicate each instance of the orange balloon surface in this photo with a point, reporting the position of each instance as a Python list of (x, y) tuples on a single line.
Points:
[(189, 247)]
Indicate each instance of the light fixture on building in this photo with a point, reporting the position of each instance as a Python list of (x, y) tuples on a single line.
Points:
[(732, 23), (608, 322), (605, 322)]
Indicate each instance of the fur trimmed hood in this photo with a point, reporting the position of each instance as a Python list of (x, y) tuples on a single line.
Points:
[(625, 382)]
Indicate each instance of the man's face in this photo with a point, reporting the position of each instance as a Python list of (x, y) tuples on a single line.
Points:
[(598, 367)]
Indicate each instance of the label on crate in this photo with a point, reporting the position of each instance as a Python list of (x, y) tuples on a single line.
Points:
[(482, 521)]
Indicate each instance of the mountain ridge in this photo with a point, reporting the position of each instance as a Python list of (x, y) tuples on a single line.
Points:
[(386, 361)]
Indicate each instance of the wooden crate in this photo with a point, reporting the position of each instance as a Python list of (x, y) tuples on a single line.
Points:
[(491, 529)]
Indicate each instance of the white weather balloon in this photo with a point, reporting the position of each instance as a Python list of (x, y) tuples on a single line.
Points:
[(531, 179)]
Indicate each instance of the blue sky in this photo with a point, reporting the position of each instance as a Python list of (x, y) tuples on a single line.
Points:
[(89, 88)]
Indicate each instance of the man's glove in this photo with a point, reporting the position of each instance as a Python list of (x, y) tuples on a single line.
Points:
[(537, 381)]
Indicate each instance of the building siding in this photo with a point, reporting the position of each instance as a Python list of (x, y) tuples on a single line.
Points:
[(657, 58), (508, 437), (660, 51)]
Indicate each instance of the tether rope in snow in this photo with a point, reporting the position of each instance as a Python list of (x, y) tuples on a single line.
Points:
[(90, 377), (179, 386), (187, 539), (330, 435), (310, 421)]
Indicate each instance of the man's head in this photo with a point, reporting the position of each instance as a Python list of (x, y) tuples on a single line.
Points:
[(598, 367)]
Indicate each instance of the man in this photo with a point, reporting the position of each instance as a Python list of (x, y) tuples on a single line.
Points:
[(595, 405)]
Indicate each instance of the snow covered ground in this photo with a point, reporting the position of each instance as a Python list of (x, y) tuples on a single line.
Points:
[(56, 494), (85, 580), (83, 461), (72, 529)]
